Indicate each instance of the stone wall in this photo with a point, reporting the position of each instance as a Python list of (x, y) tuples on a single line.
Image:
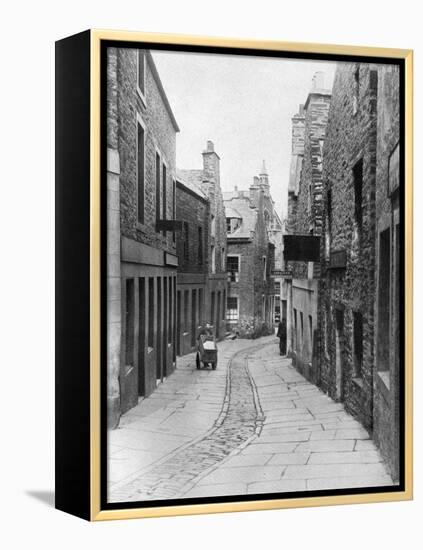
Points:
[(253, 286), (387, 380), (349, 289), (208, 180), (193, 211), (305, 203), (160, 136)]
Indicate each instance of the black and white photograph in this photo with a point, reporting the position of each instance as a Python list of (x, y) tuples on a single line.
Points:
[(255, 275)]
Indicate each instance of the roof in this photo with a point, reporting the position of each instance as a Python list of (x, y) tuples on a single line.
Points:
[(235, 194), (161, 89), (191, 186), (248, 214), (232, 213), (317, 91)]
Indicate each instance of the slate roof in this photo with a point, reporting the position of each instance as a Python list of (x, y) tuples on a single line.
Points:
[(242, 206)]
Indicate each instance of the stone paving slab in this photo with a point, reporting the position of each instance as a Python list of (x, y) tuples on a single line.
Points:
[(253, 426)]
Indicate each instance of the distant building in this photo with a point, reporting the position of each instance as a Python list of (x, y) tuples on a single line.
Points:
[(388, 277), (304, 226), (141, 253), (208, 180), (193, 210), (252, 224)]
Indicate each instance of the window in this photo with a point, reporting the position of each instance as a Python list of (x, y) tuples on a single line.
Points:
[(356, 89), (264, 260), (232, 309), (213, 259), (358, 200), (232, 224), (185, 232), (232, 267), (358, 343), (151, 308), (140, 171), (224, 304), (158, 213), (213, 226), (200, 245), (277, 288), (223, 259), (164, 193), (141, 73)]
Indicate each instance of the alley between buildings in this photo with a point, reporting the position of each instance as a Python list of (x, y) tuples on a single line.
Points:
[(254, 425)]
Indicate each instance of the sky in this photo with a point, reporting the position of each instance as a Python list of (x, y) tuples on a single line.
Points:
[(244, 105)]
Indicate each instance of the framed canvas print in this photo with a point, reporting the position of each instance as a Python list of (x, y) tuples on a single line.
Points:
[(234, 275)]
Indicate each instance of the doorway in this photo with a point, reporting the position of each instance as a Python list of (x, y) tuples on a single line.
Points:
[(339, 353), (159, 330), (217, 330), (178, 323), (142, 332)]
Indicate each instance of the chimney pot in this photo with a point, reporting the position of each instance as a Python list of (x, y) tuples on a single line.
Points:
[(210, 146)]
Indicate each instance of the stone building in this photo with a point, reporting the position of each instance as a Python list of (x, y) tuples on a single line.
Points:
[(388, 273), (193, 210), (304, 226), (347, 293), (141, 247), (207, 180), (250, 217)]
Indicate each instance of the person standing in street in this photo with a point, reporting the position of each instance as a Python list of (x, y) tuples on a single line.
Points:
[(281, 334)]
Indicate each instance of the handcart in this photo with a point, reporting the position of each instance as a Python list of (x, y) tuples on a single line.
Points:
[(207, 351)]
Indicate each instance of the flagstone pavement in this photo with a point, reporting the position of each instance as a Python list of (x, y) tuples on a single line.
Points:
[(252, 426)]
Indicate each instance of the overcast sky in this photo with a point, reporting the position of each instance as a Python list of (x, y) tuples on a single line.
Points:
[(244, 105)]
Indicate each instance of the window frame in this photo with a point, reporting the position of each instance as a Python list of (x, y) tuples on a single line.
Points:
[(140, 122), (158, 159), (238, 256), (142, 93), (229, 318)]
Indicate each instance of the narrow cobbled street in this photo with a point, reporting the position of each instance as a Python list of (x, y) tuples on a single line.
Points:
[(254, 425)]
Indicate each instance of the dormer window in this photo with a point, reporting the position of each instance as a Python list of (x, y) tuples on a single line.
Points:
[(232, 224)]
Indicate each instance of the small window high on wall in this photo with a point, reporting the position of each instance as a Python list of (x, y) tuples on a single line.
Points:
[(141, 73), (140, 171)]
